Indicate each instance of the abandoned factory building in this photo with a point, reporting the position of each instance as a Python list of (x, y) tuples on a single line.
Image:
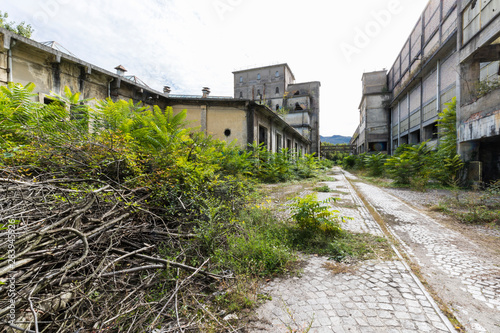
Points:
[(453, 51), (275, 87), (23, 60)]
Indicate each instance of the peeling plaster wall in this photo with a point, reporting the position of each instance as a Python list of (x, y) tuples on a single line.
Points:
[(480, 127)]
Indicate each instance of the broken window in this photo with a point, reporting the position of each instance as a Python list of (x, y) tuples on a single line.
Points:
[(278, 142), (277, 90), (262, 135), (298, 107), (241, 94)]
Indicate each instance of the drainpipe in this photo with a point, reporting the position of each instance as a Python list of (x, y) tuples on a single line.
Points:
[(109, 87), (9, 66), (9, 61)]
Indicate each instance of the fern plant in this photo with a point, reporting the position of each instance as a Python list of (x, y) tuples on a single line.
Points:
[(312, 215)]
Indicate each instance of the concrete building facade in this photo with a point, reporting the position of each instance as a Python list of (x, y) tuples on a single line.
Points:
[(453, 51), (275, 87), (23, 60)]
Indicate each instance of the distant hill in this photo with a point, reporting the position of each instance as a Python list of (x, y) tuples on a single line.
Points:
[(335, 139)]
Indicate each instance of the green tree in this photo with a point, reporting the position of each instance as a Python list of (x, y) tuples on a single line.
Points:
[(23, 29), (449, 162)]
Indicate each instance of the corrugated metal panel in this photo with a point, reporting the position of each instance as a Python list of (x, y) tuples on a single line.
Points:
[(447, 4), (449, 25), (404, 125), (447, 97), (430, 110), (432, 46), (397, 70), (431, 8), (489, 71), (432, 25), (416, 40), (415, 98), (405, 57), (449, 72), (471, 21), (403, 105), (415, 119), (429, 87)]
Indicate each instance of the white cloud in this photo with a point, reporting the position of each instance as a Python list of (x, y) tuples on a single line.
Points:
[(188, 44)]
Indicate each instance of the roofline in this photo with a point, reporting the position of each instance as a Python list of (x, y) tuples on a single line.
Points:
[(308, 82), (268, 66), (281, 120), (9, 35)]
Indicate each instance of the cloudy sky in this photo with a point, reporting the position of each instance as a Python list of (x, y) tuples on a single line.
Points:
[(188, 44)]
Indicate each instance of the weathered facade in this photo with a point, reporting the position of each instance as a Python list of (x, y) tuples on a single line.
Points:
[(453, 51), (275, 87), (374, 122), (23, 60)]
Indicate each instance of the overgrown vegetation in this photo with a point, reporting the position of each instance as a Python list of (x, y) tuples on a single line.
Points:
[(337, 152), (22, 28), (124, 197), (474, 207), (417, 165), (485, 87)]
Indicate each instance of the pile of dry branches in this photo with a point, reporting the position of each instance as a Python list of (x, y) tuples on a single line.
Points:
[(87, 258)]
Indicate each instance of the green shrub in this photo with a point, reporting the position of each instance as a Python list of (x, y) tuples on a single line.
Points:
[(313, 216), (348, 162), (375, 164), (409, 162)]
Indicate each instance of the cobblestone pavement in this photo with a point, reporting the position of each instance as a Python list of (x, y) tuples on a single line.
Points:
[(375, 296), (463, 275)]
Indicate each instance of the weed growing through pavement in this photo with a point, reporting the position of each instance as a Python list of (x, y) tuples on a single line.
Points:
[(294, 326)]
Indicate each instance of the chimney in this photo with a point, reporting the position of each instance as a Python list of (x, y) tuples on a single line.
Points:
[(120, 70), (166, 90), (206, 92)]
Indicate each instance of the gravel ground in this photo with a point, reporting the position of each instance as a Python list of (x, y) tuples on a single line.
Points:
[(425, 200)]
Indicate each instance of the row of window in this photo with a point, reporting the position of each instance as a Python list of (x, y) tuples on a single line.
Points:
[(277, 74), (263, 139), (277, 91)]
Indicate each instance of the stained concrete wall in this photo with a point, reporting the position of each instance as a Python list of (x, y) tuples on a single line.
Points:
[(312, 91), (247, 84)]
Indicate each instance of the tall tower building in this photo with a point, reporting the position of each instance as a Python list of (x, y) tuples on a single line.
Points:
[(275, 87)]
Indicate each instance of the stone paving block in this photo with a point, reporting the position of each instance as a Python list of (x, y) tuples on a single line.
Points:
[(377, 296)]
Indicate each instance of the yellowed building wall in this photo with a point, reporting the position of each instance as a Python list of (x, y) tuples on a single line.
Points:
[(31, 66), (193, 114), (227, 120)]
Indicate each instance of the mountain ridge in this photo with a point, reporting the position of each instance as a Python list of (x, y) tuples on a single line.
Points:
[(335, 139)]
